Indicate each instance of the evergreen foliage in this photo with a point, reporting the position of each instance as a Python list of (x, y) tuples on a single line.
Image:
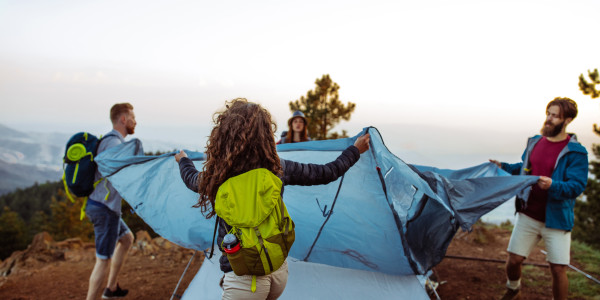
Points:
[(45, 207), (12, 233), (158, 152), (587, 212), (26, 202), (64, 221), (323, 109), (587, 209), (589, 88)]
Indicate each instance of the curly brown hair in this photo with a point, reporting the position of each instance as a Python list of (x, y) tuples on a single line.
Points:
[(243, 139)]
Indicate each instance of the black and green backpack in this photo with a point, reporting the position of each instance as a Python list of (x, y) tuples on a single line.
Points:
[(79, 166)]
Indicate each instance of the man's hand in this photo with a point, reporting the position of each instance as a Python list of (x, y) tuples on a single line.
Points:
[(179, 155), (544, 182), (362, 143), (499, 164)]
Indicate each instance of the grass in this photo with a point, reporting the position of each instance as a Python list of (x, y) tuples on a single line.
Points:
[(584, 257), (533, 275), (587, 259)]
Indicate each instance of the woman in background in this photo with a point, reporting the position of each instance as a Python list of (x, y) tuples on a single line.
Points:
[(297, 129)]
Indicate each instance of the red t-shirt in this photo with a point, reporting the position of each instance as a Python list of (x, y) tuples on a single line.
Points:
[(543, 159)]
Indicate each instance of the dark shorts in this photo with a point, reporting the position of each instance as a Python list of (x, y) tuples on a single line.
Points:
[(108, 228)]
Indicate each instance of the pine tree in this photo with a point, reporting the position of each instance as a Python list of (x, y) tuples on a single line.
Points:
[(323, 109), (589, 88), (65, 220), (587, 210), (12, 233)]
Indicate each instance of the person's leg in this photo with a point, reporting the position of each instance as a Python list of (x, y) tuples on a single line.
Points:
[(278, 281), (560, 282), (97, 278), (118, 259), (102, 232), (525, 235), (513, 266), (120, 253), (558, 245)]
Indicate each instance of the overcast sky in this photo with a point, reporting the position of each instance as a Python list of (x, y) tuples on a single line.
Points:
[(440, 79)]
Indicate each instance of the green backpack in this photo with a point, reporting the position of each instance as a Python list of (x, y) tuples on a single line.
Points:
[(252, 205)]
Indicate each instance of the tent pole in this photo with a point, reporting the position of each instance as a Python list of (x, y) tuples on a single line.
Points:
[(582, 272), (186, 268)]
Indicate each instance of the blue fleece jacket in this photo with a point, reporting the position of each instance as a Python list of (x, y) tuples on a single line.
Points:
[(568, 181)]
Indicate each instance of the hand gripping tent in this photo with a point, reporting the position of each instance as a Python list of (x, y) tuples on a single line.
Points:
[(382, 216)]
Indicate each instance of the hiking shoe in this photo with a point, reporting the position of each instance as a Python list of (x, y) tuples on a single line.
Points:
[(512, 294), (118, 293)]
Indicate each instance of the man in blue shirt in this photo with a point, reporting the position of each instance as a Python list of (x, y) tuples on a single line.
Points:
[(112, 236)]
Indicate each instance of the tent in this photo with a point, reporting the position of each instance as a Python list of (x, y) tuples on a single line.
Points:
[(316, 281), (382, 216)]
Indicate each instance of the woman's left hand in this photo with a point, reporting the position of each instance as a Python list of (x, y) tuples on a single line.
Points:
[(362, 143)]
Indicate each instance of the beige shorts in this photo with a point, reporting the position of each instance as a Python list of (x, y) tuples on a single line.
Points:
[(528, 232), (267, 287)]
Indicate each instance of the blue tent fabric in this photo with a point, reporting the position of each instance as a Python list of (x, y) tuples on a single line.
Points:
[(383, 215), (316, 281)]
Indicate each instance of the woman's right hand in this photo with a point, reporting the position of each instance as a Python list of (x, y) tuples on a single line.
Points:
[(179, 155)]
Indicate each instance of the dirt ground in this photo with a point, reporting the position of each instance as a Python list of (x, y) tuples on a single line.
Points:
[(478, 279), (151, 271), (60, 270)]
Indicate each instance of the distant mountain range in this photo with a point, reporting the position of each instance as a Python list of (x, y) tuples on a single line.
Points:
[(30, 157), (27, 158)]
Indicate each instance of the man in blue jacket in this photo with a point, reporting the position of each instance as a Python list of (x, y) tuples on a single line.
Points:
[(562, 166)]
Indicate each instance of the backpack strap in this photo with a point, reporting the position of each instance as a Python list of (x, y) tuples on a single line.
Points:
[(84, 205), (212, 247)]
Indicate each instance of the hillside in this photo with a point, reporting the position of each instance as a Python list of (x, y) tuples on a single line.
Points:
[(30, 157), (16, 175), (27, 158)]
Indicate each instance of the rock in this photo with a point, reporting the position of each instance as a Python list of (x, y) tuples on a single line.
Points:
[(41, 251), (143, 235), (71, 244), (8, 264), (164, 244), (146, 248), (134, 250), (41, 241), (75, 255)]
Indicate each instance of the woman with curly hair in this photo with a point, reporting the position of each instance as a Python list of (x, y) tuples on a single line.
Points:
[(243, 140)]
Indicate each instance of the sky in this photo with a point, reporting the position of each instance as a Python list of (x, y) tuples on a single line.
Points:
[(447, 83)]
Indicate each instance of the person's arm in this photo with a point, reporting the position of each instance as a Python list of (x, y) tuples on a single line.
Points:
[(312, 174), (187, 170), (513, 169), (576, 175)]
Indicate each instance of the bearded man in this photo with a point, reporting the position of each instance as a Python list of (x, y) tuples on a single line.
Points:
[(548, 213)]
